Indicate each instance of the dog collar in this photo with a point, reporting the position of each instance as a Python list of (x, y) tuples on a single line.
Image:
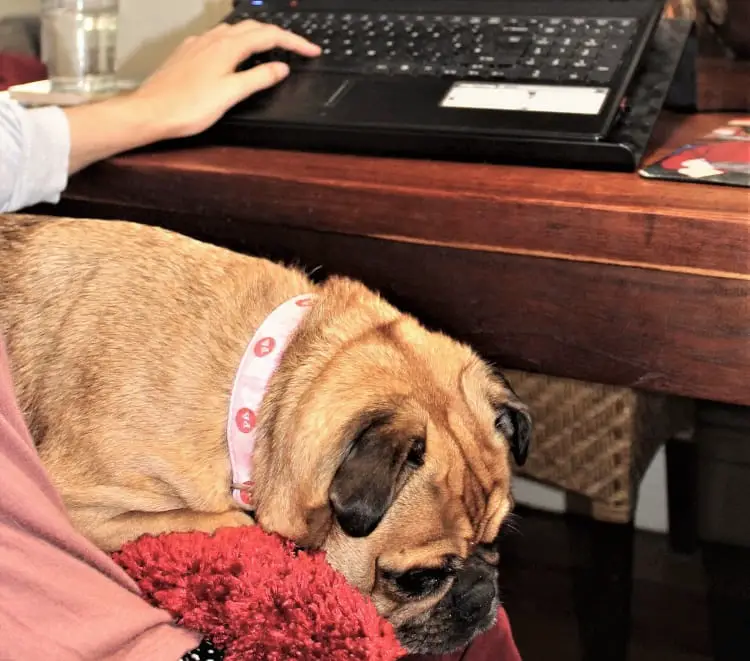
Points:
[(258, 364)]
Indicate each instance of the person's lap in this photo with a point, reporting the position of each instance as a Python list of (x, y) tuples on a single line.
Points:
[(60, 597)]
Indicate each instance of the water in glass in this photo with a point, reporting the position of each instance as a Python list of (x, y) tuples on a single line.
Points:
[(79, 39)]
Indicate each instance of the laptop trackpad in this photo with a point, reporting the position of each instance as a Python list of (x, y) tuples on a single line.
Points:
[(392, 101), (299, 95), (406, 103)]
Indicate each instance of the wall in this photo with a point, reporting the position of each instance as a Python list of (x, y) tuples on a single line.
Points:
[(14, 7), (150, 30)]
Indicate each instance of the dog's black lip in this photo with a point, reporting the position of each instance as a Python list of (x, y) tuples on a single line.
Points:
[(446, 630), (430, 645)]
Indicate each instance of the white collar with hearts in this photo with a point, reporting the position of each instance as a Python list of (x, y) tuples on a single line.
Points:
[(258, 365)]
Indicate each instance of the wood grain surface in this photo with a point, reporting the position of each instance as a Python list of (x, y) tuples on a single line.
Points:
[(599, 276)]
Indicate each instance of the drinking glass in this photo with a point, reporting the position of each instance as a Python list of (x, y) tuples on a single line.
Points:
[(79, 44)]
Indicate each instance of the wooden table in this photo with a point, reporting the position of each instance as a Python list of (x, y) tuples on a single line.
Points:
[(598, 276)]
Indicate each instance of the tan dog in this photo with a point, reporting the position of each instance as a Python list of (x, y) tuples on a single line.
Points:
[(380, 442)]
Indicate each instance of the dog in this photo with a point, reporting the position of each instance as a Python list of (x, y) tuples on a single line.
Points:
[(378, 441)]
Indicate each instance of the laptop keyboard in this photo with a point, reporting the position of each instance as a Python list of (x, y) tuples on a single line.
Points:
[(581, 51)]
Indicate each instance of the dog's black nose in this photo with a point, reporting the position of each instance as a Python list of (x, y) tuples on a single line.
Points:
[(469, 608), (474, 594)]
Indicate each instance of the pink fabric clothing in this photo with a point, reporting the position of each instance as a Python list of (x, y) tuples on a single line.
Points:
[(60, 597)]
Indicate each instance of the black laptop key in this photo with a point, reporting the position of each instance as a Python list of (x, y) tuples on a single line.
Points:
[(552, 30), (592, 42), (576, 31), (581, 64), (476, 71), (551, 73), (451, 71), (562, 51), (503, 60), (516, 29), (574, 76), (428, 69), (601, 74), (519, 74), (617, 46), (540, 51)]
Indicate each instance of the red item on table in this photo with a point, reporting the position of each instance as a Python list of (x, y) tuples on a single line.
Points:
[(17, 69)]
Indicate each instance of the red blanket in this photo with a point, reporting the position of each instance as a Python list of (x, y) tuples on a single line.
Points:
[(239, 584)]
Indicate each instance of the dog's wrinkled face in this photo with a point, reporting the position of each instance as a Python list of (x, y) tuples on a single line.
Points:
[(399, 469)]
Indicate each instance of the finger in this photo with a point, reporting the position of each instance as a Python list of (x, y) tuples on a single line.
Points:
[(268, 37), (245, 28), (217, 32), (200, 41), (254, 80), (246, 25)]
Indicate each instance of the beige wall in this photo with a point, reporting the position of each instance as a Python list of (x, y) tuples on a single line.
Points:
[(149, 29), (13, 7)]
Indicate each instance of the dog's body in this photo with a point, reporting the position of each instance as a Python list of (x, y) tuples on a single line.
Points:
[(380, 442)]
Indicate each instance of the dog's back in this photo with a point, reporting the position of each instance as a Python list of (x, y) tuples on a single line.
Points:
[(102, 320), (78, 295)]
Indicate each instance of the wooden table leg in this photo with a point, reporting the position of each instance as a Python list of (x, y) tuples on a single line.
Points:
[(682, 495), (728, 575), (603, 585)]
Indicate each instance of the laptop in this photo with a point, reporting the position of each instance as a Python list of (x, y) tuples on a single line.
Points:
[(446, 78)]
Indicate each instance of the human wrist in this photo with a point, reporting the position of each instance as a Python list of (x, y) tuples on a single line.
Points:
[(106, 128), (140, 120), (162, 117), (122, 122)]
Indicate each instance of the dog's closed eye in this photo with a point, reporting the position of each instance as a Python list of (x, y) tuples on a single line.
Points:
[(416, 453), (421, 582), (417, 583)]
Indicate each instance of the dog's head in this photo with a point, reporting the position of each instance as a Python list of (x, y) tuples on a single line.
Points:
[(388, 446)]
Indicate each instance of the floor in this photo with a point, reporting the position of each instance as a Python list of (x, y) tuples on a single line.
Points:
[(558, 566)]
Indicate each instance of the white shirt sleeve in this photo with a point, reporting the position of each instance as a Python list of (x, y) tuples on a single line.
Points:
[(34, 155)]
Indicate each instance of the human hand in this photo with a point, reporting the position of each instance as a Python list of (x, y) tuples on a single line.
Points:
[(198, 82)]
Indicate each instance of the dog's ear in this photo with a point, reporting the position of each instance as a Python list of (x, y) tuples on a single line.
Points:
[(371, 475), (514, 422)]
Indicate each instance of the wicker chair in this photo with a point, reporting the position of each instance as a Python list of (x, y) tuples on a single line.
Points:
[(596, 442)]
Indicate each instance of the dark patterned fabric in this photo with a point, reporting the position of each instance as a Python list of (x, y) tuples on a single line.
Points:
[(204, 652)]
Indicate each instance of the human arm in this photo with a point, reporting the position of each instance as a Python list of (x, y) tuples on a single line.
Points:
[(194, 87), (187, 94), (34, 149)]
